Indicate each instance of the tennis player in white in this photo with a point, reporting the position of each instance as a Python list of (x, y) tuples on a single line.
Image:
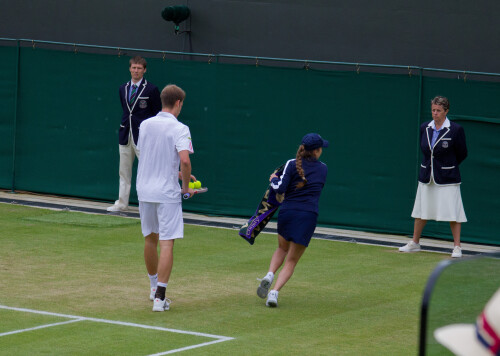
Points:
[(164, 145)]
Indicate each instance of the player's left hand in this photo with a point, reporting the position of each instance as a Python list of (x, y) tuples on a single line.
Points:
[(192, 178), (273, 176)]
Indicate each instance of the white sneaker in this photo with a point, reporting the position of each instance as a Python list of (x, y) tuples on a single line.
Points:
[(272, 299), (410, 247), (115, 207), (457, 252), (152, 293), (161, 305), (263, 288)]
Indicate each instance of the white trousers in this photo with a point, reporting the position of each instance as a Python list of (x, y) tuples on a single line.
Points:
[(127, 155)]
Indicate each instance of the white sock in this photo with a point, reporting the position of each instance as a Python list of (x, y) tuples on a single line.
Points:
[(275, 291), (153, 280), (160, 284), (270, 275)]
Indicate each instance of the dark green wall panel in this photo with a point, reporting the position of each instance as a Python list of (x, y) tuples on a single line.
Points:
[(8, 87), (245, 120)]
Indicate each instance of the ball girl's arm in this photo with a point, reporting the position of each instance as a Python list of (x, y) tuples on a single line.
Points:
[(280, 184)]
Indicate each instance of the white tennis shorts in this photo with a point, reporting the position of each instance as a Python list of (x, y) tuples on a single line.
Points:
[(164, 219)]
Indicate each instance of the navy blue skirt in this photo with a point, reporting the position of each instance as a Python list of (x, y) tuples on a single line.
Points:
[(297, 225)]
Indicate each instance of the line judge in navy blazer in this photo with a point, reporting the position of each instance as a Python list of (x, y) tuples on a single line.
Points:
[(438, 195), (442, 159), (140, 100)]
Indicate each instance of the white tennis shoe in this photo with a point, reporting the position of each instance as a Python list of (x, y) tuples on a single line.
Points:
[(161, 305), (116, 207), (457, 252), (410, 247), (263, 288), (152, 293), (272, 299)]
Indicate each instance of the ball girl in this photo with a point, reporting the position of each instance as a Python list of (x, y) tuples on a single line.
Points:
[(302, 182)]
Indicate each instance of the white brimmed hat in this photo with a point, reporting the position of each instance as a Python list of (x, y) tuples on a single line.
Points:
[(482, 339)]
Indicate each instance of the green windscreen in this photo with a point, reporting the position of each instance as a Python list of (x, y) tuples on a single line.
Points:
[(245, 120), (8, 85)]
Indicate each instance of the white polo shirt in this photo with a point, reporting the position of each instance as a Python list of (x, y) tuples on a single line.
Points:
[(161, 138)]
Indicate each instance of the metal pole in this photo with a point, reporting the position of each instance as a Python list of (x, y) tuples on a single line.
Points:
[(16, 96), (424, 308), (293, 60), (419, 113)]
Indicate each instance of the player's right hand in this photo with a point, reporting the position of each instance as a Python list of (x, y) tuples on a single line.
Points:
[(189, 191)]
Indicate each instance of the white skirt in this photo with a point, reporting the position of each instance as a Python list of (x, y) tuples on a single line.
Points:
[(439, 202)]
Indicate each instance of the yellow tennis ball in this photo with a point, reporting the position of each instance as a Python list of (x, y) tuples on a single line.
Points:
[(191, 185), (197, 184)]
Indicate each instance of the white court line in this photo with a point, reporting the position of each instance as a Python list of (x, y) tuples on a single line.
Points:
[(40, 327), (188, 347), (218, 338)]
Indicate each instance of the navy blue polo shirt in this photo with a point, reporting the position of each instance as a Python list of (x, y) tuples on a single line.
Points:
[(307, 197)]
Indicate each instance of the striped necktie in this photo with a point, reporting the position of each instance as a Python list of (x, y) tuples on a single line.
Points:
[(133, 94)]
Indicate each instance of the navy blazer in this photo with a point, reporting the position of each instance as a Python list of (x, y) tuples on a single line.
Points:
[(443, 159), (146, 105)]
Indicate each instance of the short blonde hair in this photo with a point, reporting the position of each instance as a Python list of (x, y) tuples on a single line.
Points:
[(170, 94), (137, 60)]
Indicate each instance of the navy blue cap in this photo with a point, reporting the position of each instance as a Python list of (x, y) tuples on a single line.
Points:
[(311, 141)]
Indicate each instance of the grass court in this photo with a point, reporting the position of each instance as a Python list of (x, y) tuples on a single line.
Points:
[(75, 284)]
